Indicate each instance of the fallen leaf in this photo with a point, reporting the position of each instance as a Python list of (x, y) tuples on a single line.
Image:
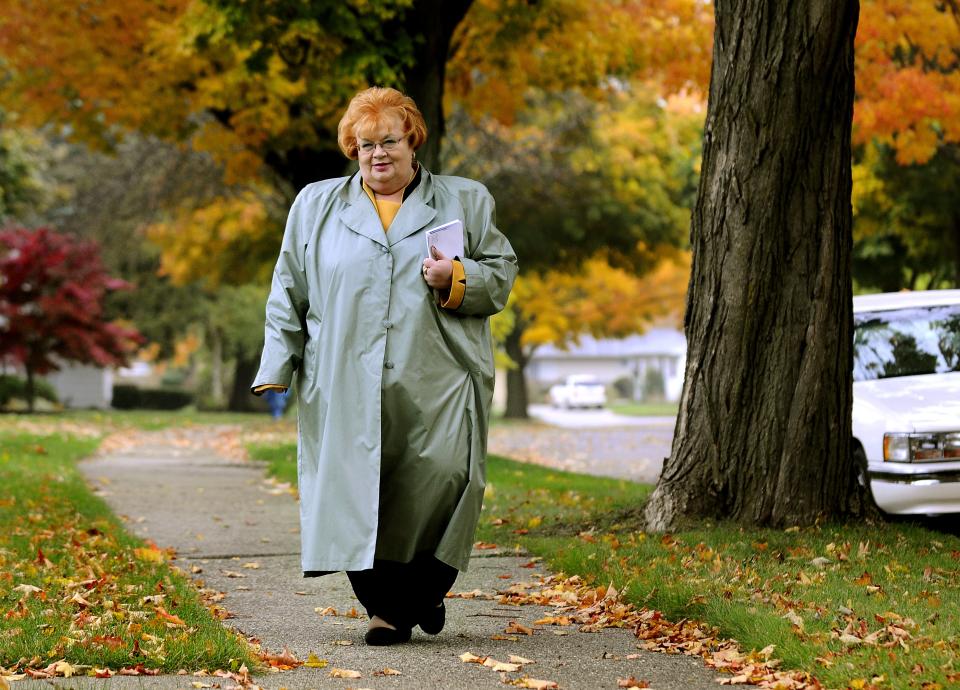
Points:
[(536, 684), (313, 661), (344, 673), (554, 620), (27, 589), (490, 662), (388, 672), (62, 668), (328, 611), (285, 660), (251, 566), (792, 616), (848, 640), (149, 554), (515, 628), (109, 641), (514, 659), (169, 617), (631, 683), (469, 658), (343, 643)]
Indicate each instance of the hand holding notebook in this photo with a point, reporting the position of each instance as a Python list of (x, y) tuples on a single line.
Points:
[(447, 238)]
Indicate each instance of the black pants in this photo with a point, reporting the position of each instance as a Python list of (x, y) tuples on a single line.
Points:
[(400, 593)]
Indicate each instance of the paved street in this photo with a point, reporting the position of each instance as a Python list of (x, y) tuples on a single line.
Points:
[(590, 441)]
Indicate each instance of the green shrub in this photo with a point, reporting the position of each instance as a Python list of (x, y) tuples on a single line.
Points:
[(653, 384), (15, 387), (126, 397)]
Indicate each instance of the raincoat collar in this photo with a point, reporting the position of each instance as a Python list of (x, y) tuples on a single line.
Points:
[(415, 214)]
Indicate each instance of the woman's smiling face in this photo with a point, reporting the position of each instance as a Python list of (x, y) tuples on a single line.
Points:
[(385, 156)]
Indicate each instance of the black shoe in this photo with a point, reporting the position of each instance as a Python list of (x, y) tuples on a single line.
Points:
[(433, 622), (382, 637)]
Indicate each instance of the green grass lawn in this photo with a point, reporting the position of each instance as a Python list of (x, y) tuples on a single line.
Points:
[(146, 420), (75, 586), (662, 409), (854, 605)]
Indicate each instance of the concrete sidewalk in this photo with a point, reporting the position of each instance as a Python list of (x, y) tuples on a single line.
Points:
[(220, 514)]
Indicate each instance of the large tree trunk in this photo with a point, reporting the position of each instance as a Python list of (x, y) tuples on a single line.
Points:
[(433, 22), (764, 430), (244, 372), (516, 377), (31, 387)]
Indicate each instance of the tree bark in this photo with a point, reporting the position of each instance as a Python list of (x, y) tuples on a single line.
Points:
[(216, 366), (425, 78), (31, 389), (244, 372), (516, 377), (764, 430)]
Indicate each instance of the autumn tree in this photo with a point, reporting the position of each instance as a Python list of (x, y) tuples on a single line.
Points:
[(763, 434), (906, 220), (593, 194), (907, 133), (52, 288), (557, 307), (24, 162), (261, 87)]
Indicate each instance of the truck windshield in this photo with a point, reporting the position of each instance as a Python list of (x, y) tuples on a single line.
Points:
[(906, 342)]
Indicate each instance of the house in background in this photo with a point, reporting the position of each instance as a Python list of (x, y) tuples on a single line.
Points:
[(82, 387), (77, 386), (635, 366)]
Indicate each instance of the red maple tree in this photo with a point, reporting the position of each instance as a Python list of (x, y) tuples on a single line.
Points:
[(52, 288)]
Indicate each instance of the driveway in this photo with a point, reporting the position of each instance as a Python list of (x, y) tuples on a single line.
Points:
[(591, 419)]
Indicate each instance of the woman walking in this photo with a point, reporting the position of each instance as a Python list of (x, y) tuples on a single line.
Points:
[(392, 350)]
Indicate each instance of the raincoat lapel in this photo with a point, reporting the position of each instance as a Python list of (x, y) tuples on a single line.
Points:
[(415, 214), (359, 214)]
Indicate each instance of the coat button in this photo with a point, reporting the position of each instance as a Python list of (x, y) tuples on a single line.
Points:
[(388, 365), (388, 324)]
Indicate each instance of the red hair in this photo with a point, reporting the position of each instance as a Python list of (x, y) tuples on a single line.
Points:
[(367, 111)]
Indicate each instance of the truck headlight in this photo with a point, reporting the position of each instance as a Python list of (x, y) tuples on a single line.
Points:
[(921, 447)]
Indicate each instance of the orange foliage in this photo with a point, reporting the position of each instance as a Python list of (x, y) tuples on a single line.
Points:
[(92, 64), (504, 46), (908, 76)]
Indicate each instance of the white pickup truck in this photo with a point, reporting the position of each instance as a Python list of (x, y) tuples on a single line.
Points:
[(579, 390)]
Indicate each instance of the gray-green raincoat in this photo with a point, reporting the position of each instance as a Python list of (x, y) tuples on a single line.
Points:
[(393, 390)]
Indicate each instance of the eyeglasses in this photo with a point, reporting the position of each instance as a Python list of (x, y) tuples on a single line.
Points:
[(388, 144)]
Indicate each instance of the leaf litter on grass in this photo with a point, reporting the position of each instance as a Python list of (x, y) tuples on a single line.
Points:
[(593, 609)]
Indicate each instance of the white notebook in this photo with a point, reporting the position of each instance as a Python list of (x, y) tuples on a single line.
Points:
[(448, 238)]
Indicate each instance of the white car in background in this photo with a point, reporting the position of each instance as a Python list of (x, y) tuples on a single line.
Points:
[(906, 399), (579, 390)]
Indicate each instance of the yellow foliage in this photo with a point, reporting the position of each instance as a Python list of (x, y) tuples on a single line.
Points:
[(149, 353), (232, 240), (184, 349), (600, 300)]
